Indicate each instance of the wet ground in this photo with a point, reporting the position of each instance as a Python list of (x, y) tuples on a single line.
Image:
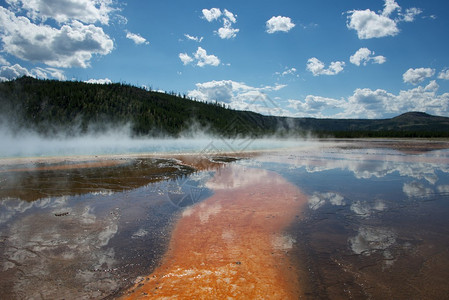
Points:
[(328, 220)]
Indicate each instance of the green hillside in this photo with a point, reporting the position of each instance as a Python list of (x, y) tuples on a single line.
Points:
[(49, 107)]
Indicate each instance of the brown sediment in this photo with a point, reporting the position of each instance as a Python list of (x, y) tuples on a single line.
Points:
[(232, 245), (408, 146), (211, 162), (67, 166), (198, 161)]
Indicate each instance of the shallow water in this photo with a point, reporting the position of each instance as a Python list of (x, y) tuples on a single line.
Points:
[(376, 224), (373, 223)]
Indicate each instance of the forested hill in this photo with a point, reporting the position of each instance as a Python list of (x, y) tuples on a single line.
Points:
[(49, 107)]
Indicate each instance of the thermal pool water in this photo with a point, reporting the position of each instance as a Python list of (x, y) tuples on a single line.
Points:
[(349, 219)]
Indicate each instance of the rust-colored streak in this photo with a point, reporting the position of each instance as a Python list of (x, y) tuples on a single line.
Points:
[(232, 245)]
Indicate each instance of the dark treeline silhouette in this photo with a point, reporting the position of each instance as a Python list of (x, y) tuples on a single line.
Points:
[(50, 106)]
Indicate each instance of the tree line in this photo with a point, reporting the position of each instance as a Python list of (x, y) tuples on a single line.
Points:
[(51, 106)]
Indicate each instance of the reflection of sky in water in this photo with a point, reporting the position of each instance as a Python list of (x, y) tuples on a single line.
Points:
[(367, 209), (363, 185), (87, 245), (370, 210)]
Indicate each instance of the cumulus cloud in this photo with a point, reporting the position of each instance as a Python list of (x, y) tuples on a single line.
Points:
[(86, 11), (444, 74), (203, 59), (136, 38), (279, 23), (9, 72), (379, 103), (228, 19), (99, 81), (200, 57), (71, 45), (316, 106), (185, 58), (12, 72), (211, 14), (238, 95), (227, 32), (317, 67), (364, 55), (415, 76), (370, 24)]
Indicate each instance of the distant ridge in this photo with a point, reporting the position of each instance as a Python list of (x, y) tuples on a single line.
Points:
[(50, 107)]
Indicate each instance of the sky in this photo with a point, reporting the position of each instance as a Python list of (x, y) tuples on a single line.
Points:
[(321, 58)]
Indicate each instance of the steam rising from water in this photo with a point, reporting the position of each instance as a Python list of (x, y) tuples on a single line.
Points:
[(120, 141)]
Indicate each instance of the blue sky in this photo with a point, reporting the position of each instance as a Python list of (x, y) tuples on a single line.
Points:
[(323, 58)]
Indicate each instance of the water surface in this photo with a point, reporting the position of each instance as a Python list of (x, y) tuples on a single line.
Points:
[(351, 220)]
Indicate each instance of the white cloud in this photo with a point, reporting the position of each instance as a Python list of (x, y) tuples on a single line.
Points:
[(288, 71), (380, 103), (315, 106), (221, 91), (444, 74), (227, 32), (276, 87), (239, 96), (193, 38), (317, 67), (204, 59), (99, 81), (12, 72), (410, 14), (370, 24), (230, 16), (3, 61), (201, 57), (389, 7), (211, 14), (47, 73), (415, 76), (367, 103), (72, 45), (432, 86), (185, 58), (370, 103), (364, 55), (279, 23), (136, 38), (86, 11)]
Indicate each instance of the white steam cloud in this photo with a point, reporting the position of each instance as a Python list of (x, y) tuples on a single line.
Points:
[(119, 140)]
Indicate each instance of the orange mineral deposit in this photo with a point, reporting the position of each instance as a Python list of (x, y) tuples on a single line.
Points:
[(233, 244)]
